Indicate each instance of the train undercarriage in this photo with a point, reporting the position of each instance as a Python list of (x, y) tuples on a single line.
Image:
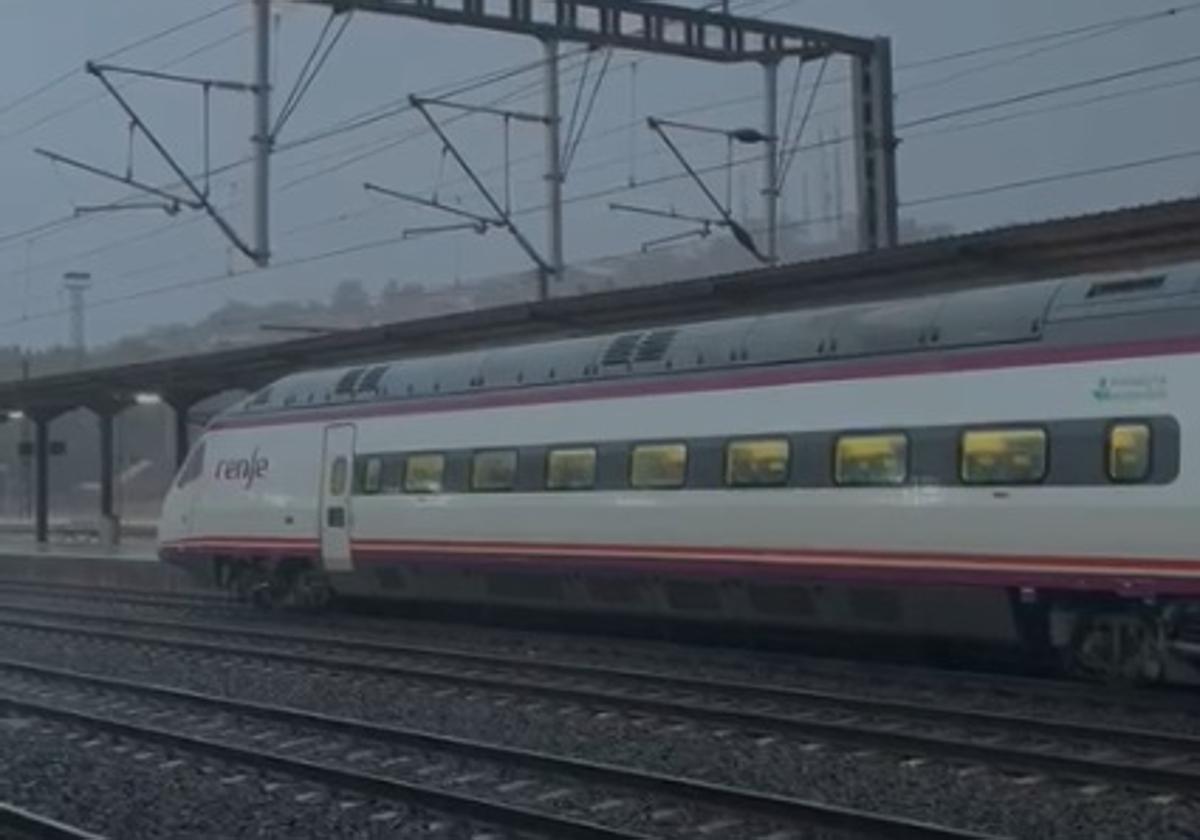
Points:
[(1103, 639)]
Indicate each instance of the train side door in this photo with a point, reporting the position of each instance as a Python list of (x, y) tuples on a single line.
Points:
[(336, 487)]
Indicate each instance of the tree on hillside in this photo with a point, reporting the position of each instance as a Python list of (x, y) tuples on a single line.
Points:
[(350, 299)]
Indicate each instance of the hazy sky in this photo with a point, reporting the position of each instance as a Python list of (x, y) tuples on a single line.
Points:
[(149, 268)]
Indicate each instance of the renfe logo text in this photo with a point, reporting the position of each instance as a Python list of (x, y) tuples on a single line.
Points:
[(245, 471)]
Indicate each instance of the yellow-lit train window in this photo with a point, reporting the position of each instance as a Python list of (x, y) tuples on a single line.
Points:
[(757, 463), (423, 473), (658, 466), (1129, 452), (494, 470), (1003, 456), (871, 460), (571, 469)]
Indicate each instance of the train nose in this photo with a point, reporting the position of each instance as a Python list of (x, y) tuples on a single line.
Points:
[(173, 522)]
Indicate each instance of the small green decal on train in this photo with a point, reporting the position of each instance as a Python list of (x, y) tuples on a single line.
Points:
[(1130, 388)]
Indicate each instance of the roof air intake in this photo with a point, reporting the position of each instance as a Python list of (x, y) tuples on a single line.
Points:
[(346, 384), (1125, 287)]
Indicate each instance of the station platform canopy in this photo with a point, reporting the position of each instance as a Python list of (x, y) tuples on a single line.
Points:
[(1123, 239)]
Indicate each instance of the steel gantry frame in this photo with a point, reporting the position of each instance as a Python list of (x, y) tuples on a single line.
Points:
[(703, 35)]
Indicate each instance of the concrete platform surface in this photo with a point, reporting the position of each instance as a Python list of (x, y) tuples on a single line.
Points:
[(139, 549), (132, 565)]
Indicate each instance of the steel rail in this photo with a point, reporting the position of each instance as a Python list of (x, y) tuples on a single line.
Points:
[(20, 824), (992, 682), (1149, 774), (798, 810), (754, 691)]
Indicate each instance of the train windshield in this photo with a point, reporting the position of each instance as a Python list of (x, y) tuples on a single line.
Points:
[(192, 467)]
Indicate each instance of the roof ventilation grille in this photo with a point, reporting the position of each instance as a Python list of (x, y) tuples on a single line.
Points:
[(621, 350), (349, 379), (1125, 287), (653, 345), (370, 382)]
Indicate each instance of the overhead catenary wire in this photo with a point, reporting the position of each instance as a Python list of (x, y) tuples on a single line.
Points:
[(357, 123), (179, 223), (46, 119), (1056, 108), (72, 219), (573, 144), (593, 168), (1042, 37), (55, 223), (985, 106), (312, 68), (579, 89), (1056, 178), (539, 64), (373, 244), (145, 40), (476, 82), (789, 152), (351, 215), (1007, 61), (1053, 90)]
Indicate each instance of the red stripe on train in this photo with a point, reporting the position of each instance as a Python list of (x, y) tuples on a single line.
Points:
[(1131, 576)]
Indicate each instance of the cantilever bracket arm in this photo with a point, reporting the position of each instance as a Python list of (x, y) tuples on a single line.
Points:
[(742, 235), (200, 198), (476, 219), (429, 230), (172, 200), (663, 214), (171, 209), (216, 84), (505, 218), (703, 231)]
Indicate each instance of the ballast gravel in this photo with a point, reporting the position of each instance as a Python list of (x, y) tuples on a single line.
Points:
[(126, 790), (961, 795), (1031, 697)]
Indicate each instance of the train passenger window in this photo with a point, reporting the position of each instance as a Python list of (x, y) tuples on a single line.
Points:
[(1003, 456), (658, 466), (1129, 452), (757, 463), (571, 469), (423, 473), (372, 475), (391, 480), (337, 477), (193, 467), (871, 460), (494, 470)]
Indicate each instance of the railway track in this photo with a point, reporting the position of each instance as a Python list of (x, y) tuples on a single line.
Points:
[(1158, 762), (910, 679), (516, 789), (20, 824)]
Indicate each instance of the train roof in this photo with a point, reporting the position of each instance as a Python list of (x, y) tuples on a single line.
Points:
[(1027, 312)]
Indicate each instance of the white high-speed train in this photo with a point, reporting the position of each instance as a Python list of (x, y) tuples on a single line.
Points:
[(1016, 463)]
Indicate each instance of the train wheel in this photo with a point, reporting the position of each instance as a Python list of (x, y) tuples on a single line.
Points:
[(312, 591), (1116, 647)]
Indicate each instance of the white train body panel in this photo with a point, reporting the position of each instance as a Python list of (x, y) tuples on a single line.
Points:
[(1028, 520), (1104, 539)]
